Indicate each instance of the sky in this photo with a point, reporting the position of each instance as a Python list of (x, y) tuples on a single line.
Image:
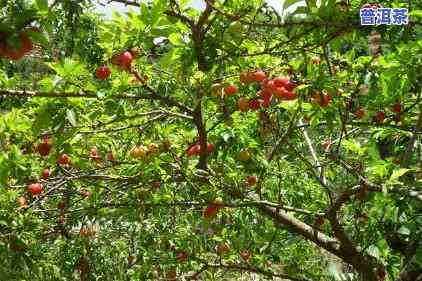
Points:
[(199, 4)]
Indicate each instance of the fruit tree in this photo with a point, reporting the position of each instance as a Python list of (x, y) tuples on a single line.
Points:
[(232, 140)]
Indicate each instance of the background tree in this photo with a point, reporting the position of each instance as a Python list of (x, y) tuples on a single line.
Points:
[(177, 143)]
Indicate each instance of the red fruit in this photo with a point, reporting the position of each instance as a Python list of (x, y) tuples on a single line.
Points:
[(268, 85), (223, 248), (397, 118), (26, 42), (45, 173), (63, 159), (281, 81), (397, 107), (103, 72), (246, 255), (289, 96), (266, 100), (210, 147), (396, 161), (14, 54), (94, 153), (319, 221), (259, 76), (193, 150), (126, 59), (35, 188), (327, 144), (2, 48), (381, 273), (251, 180), (85, 193), (280, 92), (43, 149), (61, 219), (360, 113), (379, 117), (61, 205), (156, 184), (111, 156), (290, 86), (182, 257), (322, 99), (171, 275), (211, 211), (230, 90), (254, 104)]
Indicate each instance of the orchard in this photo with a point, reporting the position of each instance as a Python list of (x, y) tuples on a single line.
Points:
[(231, 141)]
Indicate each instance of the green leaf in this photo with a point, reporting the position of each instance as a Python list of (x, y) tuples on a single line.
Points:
[(70, 114), (398, 173), (38, 37), (42, 5)]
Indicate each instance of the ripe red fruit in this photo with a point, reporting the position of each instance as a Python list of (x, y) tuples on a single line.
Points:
[(126, 58), (14, 54), (61, 219), (381, 273), (397, 107), (230, 90), (251, 180), (327, 144), (35, 188), (281, 81), (193, 150), (223, 248), (246, 255), (103, 72), (210, 147), (211, 211), (379, 117), (111, 156), (259, 76), (254, 104), (290, 86), (265, 93), (279, 92), (360, 113), (289, 96), (85, 193), (171, 275), (26, 42), (319, 221), (94, 153), (61, 205), (63, 159), (43, 149), (182, 257), (45, 173), (397, 118), (321, 99), (156, 184)]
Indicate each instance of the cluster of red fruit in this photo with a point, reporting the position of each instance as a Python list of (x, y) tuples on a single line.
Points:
[(195, 149), (279, 87), (379, 117), (122, 60), (24, 45)]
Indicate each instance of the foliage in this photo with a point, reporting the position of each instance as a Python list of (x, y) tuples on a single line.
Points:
[(163, 160)]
